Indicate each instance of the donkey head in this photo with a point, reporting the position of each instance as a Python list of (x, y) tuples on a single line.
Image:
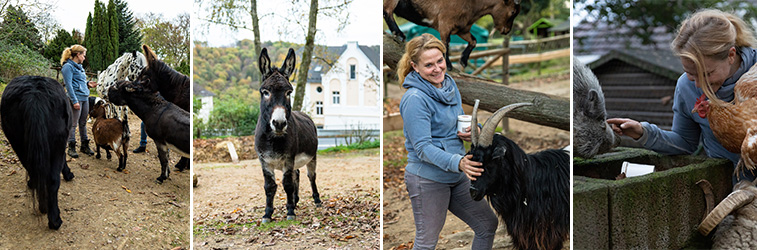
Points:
[(275, 91), (497, 159), (122, 89), (504, 14), (154, 71)]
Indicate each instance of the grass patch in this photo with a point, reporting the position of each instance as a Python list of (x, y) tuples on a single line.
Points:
[(266, 227), (352, 147)]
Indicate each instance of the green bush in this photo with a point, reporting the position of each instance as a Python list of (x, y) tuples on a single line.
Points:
[(18, 60), (232, 116)]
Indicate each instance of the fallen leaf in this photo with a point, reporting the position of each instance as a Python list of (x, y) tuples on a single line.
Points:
[(12, 173), (127, 190)]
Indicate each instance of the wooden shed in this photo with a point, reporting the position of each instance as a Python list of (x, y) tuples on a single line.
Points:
[(639, 84)]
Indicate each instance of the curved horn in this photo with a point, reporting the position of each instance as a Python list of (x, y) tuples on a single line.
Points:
[(734, 201), (474, 125), (709, 197), (487, 133)]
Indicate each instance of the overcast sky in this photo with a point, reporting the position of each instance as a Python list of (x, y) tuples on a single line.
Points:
[(365, 26), (73, 13)]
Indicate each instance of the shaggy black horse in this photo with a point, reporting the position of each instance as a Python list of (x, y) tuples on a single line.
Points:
[(36, 117), (529, 192), (172, 85)]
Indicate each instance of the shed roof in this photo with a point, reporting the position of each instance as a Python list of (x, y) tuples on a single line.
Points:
[(661, 62)]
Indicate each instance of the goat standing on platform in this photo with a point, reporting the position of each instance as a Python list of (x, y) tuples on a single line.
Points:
[(452, 18), (284, 139)]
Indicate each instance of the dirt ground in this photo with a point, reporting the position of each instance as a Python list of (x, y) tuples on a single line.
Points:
[(399, 228), (229, 203), (101, 208)]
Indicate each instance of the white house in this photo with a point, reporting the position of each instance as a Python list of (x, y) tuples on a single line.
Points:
[(206, 97), (346, 95)]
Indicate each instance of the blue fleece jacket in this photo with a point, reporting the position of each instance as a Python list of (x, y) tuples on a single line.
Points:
[(75, 80), (430, 128), (688, 128)]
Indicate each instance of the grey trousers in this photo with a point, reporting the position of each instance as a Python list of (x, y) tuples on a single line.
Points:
[(431, 200), (79, 117)]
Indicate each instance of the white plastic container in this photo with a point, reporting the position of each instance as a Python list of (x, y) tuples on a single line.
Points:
[(463, 122)]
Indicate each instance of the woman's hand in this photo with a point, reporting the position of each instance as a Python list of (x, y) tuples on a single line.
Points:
[(466, 136), (92, 84), (624, 126), (77, 106), (469, 167)]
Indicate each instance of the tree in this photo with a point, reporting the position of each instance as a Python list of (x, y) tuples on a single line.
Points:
[(56, 46), (129, 37), (168, 38), (112, 19), (17, 28), (640, 18), (101, 37), (232, 13)]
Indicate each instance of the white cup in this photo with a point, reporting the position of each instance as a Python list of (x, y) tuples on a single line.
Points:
[(463, 122)]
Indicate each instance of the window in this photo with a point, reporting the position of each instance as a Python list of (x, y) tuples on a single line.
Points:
[(352, 72), (335, 97), (319, 89), (319, 108)]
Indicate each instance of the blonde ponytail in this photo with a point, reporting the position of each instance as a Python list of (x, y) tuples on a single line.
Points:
[(71, 52), (413, 49)]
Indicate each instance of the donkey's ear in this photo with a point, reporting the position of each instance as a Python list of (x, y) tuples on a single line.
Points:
[(288, 66), (149, 54), (264, 63)]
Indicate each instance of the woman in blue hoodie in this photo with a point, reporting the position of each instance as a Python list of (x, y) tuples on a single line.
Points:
[(725, 43), (437, 173), (77, 88)]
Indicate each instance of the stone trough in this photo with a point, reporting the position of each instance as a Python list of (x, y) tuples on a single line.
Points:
[(660, 210)]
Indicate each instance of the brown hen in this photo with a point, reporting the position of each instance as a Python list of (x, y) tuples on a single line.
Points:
[(734, 123)]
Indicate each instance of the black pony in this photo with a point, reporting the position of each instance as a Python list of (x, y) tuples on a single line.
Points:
[(36, 117), (172, 85)]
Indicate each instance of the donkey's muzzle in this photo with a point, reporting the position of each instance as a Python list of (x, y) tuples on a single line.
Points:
[(279, 126)]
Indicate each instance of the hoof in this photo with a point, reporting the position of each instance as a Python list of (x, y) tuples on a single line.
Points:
[(318, 204), (54, 225), (291, 217), (68, 177), (266, 220), (159, 180), (97, 156), (120, 169)]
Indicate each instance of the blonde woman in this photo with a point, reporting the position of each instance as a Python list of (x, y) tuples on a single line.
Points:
[(437, 172), (725, 44), (77, 88)]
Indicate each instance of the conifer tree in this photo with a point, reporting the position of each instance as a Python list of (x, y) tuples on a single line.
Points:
[(129, 37)]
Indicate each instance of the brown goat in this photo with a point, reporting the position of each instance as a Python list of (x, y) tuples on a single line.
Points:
[(110, 134), (453, 17)]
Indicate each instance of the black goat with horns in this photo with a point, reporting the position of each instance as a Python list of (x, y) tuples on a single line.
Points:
[(529, 192)]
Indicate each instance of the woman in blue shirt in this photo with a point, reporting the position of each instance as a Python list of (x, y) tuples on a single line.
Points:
[(724, 42), (437, 174), (77, 88)]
